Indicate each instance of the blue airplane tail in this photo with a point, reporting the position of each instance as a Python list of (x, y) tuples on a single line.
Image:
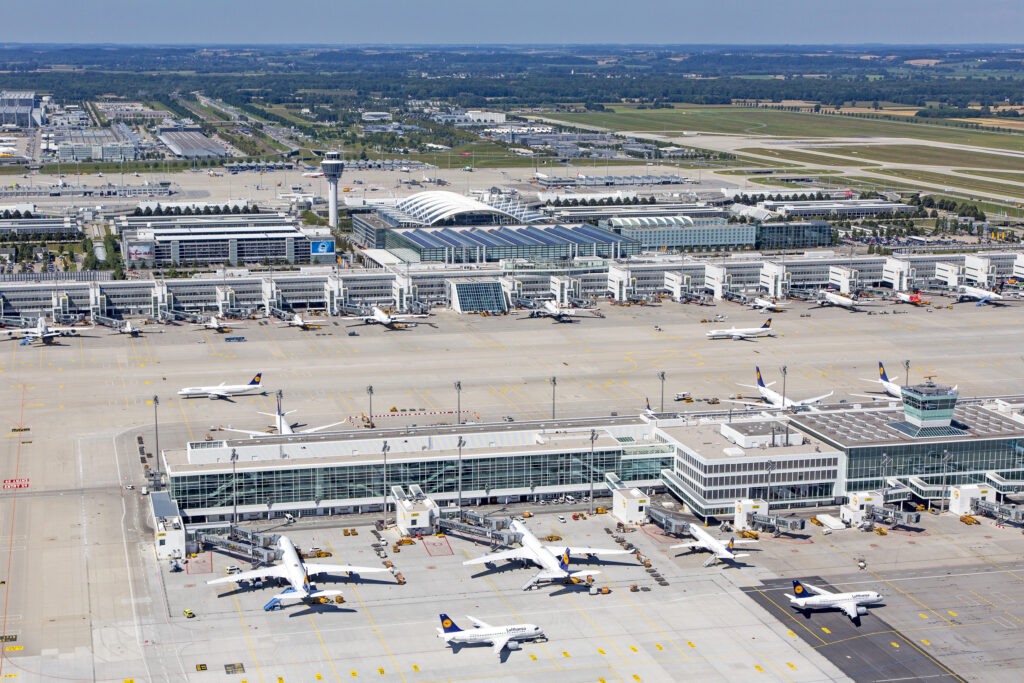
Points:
[(257, 379), (767, 324), (648, 404), (563, 560), (447, 625), (760, 382), (881, 372), (799, 590)]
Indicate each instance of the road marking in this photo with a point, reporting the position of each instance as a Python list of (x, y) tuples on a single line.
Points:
[(952, 614), (791, 665), (759, 668), (925, 642), (633, 648), (923, 616), (825, 630), (248, 640), (324, 646), (690, 644), (895, 644), (658, 645)]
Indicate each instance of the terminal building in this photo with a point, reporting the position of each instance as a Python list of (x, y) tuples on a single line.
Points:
[(683, 232), (845, 208), (21, 108)]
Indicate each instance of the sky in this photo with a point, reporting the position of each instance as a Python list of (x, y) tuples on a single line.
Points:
[(338, 22)]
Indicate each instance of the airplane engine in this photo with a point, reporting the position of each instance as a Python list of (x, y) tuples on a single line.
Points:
[(514, 645), (861, 610)]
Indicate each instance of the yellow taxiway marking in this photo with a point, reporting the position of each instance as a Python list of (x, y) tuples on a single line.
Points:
[(248, 640), (925, 642), (825, 630), (895, 644), (952, 614), (759, 668), (324, 646), (791, 665)]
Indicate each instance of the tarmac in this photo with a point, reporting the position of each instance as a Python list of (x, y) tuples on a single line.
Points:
[(85, 599)]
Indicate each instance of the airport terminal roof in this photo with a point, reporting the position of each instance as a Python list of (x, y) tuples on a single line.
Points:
[(503, 236), (438, 205), (708, 441)]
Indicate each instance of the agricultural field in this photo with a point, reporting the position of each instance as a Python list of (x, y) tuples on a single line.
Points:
[(768, 122), (804, 157), (930, 156), (958, 182)]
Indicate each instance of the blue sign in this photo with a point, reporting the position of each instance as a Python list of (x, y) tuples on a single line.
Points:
[(324, 248)]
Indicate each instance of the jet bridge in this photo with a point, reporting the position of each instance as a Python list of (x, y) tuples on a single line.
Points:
[(248, 543), (1000, 512), (667, 520), (476, 525), (755, 515)]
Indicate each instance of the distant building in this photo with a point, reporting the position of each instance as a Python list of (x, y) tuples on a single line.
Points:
[(191, 144), (796, 235), (376, 116), (21, 108), (847, 208), (683, 232)]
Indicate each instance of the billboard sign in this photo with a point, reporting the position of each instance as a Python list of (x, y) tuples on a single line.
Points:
[(140, 251), (321, 248)]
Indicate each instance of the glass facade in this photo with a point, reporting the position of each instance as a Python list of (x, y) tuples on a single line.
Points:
[(281, 486), (800, 235), (479, 296)]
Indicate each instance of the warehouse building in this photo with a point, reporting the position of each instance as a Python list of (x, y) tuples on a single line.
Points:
[(21, 108), (845, 208), (191, 144), (595, 214)]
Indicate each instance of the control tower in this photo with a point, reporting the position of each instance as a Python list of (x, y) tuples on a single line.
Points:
[(332, 167)]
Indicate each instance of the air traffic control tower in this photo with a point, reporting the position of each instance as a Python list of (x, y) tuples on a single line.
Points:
[(332, 167), (928, 410)]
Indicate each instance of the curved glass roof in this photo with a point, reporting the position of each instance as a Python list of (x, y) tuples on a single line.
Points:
[(438, 205)]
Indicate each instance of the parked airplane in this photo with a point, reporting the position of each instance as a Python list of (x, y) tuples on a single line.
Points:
[(313, 174), (297, 573), (129, 329), (44, 333), (768, 304), (719, 551), (282, 424), (889, 388), (392, 322), (912, 299), (854, 605), (223, 390), (827, 297), (298, 321), (552, 567), (499, 637), (742, 333), (774, 398), (217, 325), (982, 296), (552, 310)]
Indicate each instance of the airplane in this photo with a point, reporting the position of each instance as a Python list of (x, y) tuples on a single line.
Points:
[(768, 304), (392, 322), (499, 637), (313, 174), (129, 329), (552, 567), (719, 551), (297, 573), (223, 390), (827, 297), (889, 388), (298, 321), (216, 325), (282, 425), (552, 310), (774, 398), (742, 333), (44, 333), (854, 605), (912, 299), (982, 296)]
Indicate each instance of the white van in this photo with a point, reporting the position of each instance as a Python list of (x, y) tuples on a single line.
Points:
[(144, 491)]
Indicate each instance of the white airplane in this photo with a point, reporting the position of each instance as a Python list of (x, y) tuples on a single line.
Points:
[(313, 174), (217, 325), (44, 333), (719, 551), (827, 297), (223, 390), (297, 573), (299, 322), (912, 299), (889, 388), (742, 333), (982, 296), (552, 310), (129, 329), (768, 304), (552, 567), (774, 398), (854, 605), (392, 322), (283, 425), (499, 637)]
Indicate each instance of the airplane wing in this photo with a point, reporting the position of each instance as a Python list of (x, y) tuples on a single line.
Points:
[(477, 622), (849, 608), (558, 549), (514, 554), (499, 644), (876, 397), (808, 401), (815, 589), (689, 546), (321, 428), (277, 571), (338, 568), (744, 403), (743, 541), (244, 431)]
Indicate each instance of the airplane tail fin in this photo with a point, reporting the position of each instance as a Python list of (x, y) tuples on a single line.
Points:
[(799, 590), (881, 372), (760, 382), (563, 560), (447, 625), (257, 379), (767, 324), (648, 404)]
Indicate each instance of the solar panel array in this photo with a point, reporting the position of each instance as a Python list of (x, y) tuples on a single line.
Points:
[(863, 427)]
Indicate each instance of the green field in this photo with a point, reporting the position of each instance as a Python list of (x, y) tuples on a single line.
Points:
[(750, 121), (931, 156), (957, 182), (804, 157)]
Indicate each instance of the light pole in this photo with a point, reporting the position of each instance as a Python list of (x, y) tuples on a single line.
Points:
[(234, 489), (384, 449), (458, 392), (769, 467), (593, 438), (461, 443), (906, 367), (156, 431), (369, 392), (554, 383), (784, 370), (661, 376)]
